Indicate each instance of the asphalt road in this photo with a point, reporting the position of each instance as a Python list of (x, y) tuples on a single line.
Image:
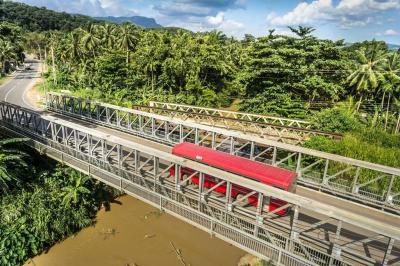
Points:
[(15, 90)]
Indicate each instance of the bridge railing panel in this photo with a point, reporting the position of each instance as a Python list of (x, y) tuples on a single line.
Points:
[(124, 165), (364, 182)]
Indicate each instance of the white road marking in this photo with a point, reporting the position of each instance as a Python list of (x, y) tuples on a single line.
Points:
[(5, 97), (24, 94)]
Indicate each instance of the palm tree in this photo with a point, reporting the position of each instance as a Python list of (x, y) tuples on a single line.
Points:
[(301, 31), (7, 53), (73, 49), (366, 77), (127, 39), (108, 31), (12, 161), (390, 83), (74, 192), (90, 39)]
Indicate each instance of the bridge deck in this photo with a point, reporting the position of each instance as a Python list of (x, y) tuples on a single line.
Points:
[(315, 225), (347, 205)]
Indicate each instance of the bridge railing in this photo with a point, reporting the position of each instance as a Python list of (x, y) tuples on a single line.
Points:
[(272, 130), (364, 182), (145, 173), (282, 121)]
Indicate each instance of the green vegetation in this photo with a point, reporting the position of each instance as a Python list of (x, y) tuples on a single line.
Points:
[(350, 89), (39, 18), (11, 47), (40, 204)]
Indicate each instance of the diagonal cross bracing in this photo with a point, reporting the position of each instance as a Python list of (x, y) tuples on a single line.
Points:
[(247, 216), (319, 178)]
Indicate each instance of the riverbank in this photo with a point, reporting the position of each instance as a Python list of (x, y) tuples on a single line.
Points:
[(134, 233)]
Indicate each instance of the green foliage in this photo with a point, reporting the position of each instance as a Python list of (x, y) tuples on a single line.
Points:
[(39, 18), (367, 145), (13, 164), (48, 204), (274, 102), (35, 218), (10, 46), (141, 65), (336, 119), (76, 190), (304, 67)]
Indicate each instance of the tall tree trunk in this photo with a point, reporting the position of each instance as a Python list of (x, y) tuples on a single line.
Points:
[(54, 65), (127, 57), (45, 59), (387, 112), (383, 99), (40, 52), (152, 82)]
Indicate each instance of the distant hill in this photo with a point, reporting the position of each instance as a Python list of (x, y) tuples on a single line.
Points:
[(34, 18), (144, 22), (393, 46)]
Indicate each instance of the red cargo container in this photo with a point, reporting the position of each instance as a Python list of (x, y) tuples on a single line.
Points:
[(257, 171)]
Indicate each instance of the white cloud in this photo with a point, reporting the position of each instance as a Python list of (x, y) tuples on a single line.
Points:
[(348, 13), (221, 23), (303, 13), (217, 20), (391, 32)]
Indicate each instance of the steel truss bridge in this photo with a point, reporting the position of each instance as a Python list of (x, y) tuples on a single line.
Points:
[(367, 183), (313, 233), (286, 130)]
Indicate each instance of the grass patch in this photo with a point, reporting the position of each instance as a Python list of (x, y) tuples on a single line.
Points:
[(370, 145), (4, 79)]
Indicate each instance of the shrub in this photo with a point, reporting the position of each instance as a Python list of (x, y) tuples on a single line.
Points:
[(335, 120), (274, 102)]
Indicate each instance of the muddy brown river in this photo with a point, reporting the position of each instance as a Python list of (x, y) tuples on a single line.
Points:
[(134, 233)]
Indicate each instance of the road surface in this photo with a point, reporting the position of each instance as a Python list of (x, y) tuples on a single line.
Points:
[(15, 89)]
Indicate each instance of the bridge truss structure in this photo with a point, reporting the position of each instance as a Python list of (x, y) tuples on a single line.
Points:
[(367, 183), (311, 234), (286, 130)]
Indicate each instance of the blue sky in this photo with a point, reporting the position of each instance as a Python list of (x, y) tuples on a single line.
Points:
[(353, 20)]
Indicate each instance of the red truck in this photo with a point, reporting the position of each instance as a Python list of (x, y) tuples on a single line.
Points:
[(267, 174)]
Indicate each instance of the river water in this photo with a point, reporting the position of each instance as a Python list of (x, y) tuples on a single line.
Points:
[(134, 233)]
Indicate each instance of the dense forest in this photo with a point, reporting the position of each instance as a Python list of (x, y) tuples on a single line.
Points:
[(352, 89), (33, 18)]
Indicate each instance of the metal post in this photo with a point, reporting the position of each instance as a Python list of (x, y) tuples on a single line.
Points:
[(232, 146), (213, 139), (252, 150), (388, 252), (228, 196), (201, 188), (177, 179), (155, 172), (196, 136), (354, 188), (136, 160), (335, 247), (388, 194), (274, 156), (324, 180), (260, 205), (298, 166), (293, 233), (153, 133)]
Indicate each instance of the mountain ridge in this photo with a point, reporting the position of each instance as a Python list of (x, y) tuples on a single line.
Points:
[(142, 21)]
